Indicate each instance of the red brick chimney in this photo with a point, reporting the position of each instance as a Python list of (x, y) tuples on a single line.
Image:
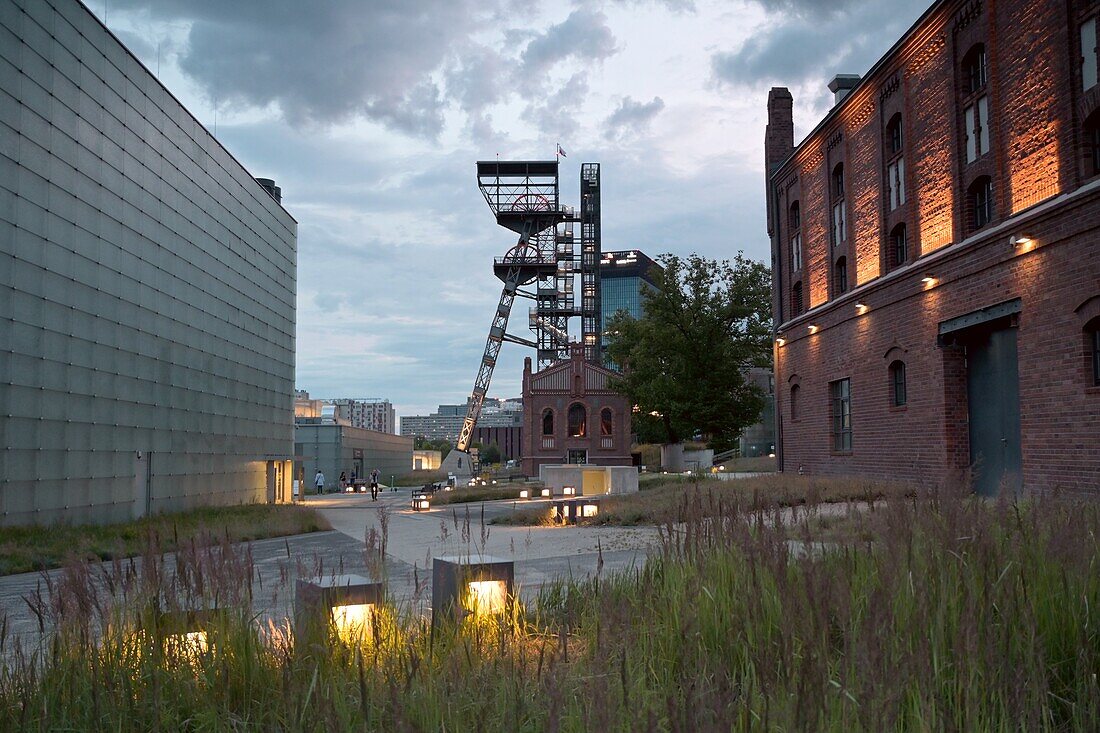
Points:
[(778, 139)]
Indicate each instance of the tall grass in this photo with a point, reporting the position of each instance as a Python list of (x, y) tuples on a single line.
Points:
[(955, 614)]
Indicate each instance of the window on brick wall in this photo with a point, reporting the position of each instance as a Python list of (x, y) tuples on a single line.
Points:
[(840, 394), (895, 164), (840, 276), (1092, 144), (840, 228), (796, 299), (975, 70), (898, 397), (976, 125), (1092, 333), (980, 198), (605, 421), (794, 401), (578, 418), (898, 252), (795, 220), (1088, 54), (547, 421)]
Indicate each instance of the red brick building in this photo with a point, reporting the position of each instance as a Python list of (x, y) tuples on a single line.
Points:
[(936, 256), (571, 416)]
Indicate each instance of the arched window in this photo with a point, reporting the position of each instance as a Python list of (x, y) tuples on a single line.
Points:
[(974, 69), (840, 228), (980, 197), (894, 135), (605, 421), (1092, 144), (577, 419), (796, 299), (898, 396), (795, 389), (795, 219), (840, 278), (1092, 333), (898, 252), (547, 421)]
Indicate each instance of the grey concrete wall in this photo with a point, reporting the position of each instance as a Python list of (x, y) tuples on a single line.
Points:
[(333, 449), (148, 283)]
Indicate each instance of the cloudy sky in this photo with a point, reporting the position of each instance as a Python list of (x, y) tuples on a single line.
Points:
[(370, 115)]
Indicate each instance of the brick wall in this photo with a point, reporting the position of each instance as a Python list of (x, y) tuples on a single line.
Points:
[(1035, 156)]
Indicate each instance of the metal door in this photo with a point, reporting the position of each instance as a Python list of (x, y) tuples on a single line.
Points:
[(993, 396)]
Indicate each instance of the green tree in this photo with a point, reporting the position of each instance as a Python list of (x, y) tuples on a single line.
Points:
[(685, 360), (491, 454)]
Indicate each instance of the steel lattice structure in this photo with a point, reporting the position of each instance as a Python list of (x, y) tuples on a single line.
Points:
[(523, 196)]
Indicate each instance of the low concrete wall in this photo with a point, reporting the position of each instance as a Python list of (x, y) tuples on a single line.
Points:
[(590, 480)]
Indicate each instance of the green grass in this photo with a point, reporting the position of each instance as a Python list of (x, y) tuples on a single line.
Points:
[(24, 549), (953, 614), (661, 499)]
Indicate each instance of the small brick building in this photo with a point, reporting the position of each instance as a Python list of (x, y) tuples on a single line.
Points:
[(936, 250), (571, 416)]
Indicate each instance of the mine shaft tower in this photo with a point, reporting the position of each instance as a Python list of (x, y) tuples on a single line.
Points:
[(524, 198)]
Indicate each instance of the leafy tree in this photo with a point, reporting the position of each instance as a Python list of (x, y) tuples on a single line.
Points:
[(685, 361), (491, 454), (442, 445)]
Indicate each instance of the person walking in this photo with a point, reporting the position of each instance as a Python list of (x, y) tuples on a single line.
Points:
[(319, 482), (374, 485), (343, 480)]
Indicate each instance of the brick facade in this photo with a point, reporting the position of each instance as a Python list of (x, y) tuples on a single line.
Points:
[(1044, 187), (555, 391)]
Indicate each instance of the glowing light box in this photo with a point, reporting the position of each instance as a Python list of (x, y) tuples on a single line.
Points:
[(343, 601), (462, 586)]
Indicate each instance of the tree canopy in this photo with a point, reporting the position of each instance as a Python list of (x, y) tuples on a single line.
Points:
[(685, 361)]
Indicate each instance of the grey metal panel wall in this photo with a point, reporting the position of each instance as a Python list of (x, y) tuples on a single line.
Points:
[(147, 284)]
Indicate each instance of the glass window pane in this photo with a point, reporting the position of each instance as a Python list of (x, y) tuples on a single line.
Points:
[(901, 180), (968, 123), (983, 124), (1088, 53)]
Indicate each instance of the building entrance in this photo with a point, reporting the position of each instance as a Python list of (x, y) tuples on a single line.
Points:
[(993, 406)]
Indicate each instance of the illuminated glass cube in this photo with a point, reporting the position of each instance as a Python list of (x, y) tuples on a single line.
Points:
[(342, 602)]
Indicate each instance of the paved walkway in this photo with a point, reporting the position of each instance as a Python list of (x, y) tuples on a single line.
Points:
[(412, 540)]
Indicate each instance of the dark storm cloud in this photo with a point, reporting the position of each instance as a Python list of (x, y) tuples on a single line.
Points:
[(807, 38), (584, 35), (632, 116), (327, 61)]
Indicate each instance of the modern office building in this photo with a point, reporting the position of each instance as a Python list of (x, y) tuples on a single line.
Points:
[(936, 267), (446, 422), (623, 277), (369, 413), (147, 288)]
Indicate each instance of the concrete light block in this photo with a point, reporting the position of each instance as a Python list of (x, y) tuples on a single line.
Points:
[(344, 601), (462, 586)]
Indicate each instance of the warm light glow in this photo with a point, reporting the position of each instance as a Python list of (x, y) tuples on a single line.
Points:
[(565, 511), (486, 596), (524, 493), (812, 329), (545, 492), (861, 308), (1021, 242), (569, 490), (780, 341), (589, 510), (721, 468), (191, 643), (421, 503), (928, 281), (352, 620)]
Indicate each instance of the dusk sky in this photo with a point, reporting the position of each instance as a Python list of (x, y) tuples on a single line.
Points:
[(371, 114)]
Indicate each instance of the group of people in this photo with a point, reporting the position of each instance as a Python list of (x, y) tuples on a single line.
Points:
[(319, 482)]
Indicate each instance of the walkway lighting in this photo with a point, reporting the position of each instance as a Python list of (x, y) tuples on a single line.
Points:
[(346, 602), (465, 586)]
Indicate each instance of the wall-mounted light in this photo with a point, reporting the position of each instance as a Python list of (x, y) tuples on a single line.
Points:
[(421, 503), (1021, 241), (780, 341), (342, 602), (929, 281), (861, 308), (464, 586), (812, 328)]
